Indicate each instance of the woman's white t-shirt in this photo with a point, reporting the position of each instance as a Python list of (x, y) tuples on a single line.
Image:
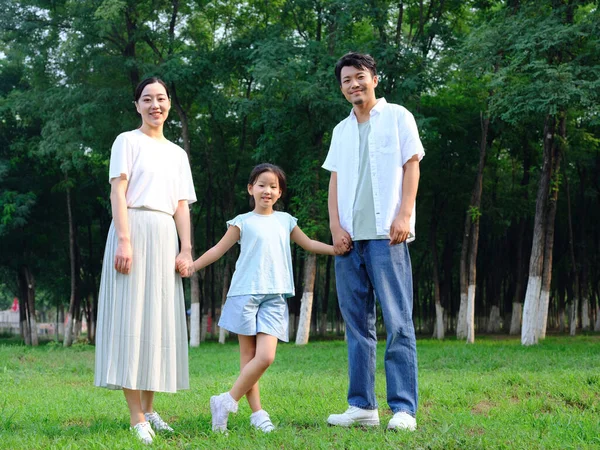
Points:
[(158, 172), (265, 262)]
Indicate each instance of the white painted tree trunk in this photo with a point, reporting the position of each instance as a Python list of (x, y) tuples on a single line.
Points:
[(195, 325), (543, 314), (471, 314), (573, 318), (461, 326), (561, 321), (203, 327), (494, 322), (515, 321), (68, 337), (585, 313), (223, 333), (305, 314), (529, 328), (439, 329), (306, 303), (25, 332)]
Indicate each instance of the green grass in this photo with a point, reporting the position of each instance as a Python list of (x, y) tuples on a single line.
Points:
[(493, 394)]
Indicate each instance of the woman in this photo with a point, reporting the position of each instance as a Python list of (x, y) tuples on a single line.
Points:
[(141, 342)]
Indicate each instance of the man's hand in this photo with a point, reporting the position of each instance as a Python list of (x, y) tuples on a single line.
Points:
[(342, 242), (399, 230)]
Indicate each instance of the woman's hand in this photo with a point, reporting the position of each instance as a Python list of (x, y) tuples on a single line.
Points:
[(123, 257), (184, 264)]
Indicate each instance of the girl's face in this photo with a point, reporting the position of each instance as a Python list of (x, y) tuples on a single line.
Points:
[(266, 192), (153, 105)]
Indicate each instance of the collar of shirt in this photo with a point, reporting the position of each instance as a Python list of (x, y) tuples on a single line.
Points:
[(381, 102)]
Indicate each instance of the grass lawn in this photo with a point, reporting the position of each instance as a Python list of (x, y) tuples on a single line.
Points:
[(493, 394)]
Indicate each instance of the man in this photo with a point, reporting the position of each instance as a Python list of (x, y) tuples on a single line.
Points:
[(374, 163)]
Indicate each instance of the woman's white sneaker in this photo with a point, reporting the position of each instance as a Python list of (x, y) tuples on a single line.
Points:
[(143, 432), (355, 416), (402, 421), (157, 423)]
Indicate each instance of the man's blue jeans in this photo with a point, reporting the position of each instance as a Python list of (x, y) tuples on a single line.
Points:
[(372, 269)]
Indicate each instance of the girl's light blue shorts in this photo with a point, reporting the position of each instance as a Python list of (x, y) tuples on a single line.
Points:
[(256, 313)]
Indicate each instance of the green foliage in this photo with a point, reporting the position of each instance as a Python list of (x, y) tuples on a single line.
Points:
[(255, 83)]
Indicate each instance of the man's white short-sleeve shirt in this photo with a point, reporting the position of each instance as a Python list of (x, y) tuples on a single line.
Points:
[(393, 140)]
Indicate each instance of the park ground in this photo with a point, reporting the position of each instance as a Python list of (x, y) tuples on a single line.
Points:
[(488, 395)]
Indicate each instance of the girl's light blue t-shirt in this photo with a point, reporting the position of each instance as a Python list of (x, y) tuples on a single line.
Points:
[(265, 262)]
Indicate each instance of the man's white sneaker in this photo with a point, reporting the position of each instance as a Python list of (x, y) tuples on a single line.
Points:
[(355, 416), (157, 423), (402, 421), (220, 407), (261, 421), (143, 432)]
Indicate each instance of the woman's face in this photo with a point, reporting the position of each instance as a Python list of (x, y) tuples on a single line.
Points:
[(153, 105)]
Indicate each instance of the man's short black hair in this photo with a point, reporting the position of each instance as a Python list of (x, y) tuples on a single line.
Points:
[(356, 60)]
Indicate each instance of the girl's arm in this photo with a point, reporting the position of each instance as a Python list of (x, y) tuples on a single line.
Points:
[(310, 245), (182, 222), (212, 255), (118, 203)]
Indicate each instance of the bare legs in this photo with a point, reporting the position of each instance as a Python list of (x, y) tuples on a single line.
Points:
[(257, 353), (139, 402)]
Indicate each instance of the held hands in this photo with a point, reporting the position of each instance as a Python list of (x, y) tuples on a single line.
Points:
[(399, 230), (342, 242), (123, 257), (184, 264)]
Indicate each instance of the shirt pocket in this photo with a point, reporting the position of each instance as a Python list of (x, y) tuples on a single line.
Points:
[(387, 143)]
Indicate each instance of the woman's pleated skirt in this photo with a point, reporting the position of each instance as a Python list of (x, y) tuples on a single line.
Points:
[(141, 333)]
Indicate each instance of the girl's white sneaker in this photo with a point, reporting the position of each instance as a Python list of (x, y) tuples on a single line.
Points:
[(220, 407), (143, 432), (261, 421), (157, 423)]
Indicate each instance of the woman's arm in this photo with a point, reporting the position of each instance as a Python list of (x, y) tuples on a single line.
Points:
[(310, 245), (123, 255), (182, 222)]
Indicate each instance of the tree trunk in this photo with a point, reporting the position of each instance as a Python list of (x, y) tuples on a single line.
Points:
[(584, 286), (550, 226), (74, 300), (325, 303), (597, 324), (468, 263), (494, 325), (27, 306), (515, 322), (532, 307), (223, 333), (310, 267), (439, 328)]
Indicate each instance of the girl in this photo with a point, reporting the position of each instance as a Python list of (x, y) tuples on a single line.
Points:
[(256, 308), (141, 345)]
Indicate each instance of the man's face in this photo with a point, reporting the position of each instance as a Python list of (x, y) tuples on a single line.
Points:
[(358, 85)]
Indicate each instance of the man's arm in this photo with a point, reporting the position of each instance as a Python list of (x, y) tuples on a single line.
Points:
[(400, 228), (342, 242)]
